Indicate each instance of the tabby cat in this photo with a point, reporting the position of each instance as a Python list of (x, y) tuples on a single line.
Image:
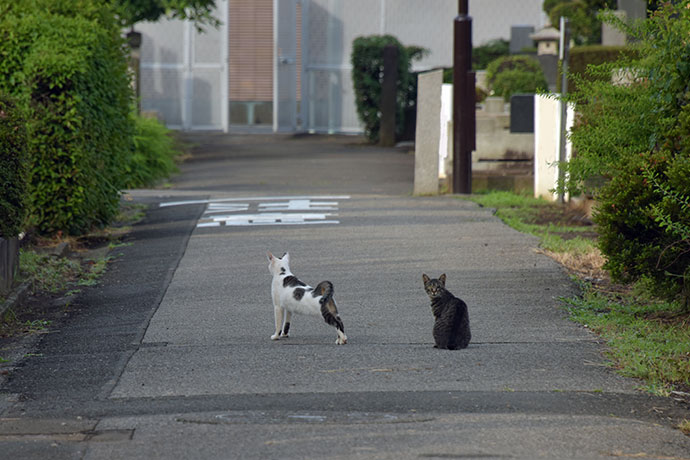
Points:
[(290, 295), (452, 326)]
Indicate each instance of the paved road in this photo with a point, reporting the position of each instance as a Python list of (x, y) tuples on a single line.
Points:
[(170, 356)]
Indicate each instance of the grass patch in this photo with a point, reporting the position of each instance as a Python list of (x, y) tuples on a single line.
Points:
[(48, 273), (647, 338)]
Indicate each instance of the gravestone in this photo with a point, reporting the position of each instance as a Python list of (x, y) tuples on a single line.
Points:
[(428, 133), (522, 113), (610, 35), (520, 38), (634, 9)]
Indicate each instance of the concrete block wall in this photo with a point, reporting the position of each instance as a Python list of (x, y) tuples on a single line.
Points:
[(9, 263)]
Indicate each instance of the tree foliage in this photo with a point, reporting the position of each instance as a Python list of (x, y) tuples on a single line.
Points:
[(484, 54), (132, 11), (585, 24)]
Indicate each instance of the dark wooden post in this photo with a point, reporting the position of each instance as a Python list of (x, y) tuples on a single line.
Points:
[(463, 101), (389, 92)]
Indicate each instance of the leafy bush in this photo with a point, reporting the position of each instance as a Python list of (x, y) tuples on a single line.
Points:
[(637, 137), (510, 75), (367, 77), (12, 168), (65, 62), (154, 153)]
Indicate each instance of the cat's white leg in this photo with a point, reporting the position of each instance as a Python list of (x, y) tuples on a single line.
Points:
[(278, 311), (285, 331), (342, 338)]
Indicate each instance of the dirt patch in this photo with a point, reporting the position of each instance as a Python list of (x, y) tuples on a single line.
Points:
[(560, 215), (587, 266)]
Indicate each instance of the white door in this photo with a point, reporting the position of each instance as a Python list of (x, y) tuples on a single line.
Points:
[(184, 72)]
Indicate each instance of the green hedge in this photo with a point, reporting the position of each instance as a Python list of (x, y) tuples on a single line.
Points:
[(12, 168), (367, 77), (583, 56), (66, 63)]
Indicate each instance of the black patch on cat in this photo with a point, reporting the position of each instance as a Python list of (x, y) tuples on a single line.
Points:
[(286, 328), (325, 289), (292, 281), (298, 294), (282, 270), (330, 315)]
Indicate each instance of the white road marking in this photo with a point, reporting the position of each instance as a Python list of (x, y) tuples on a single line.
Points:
[(289, 210)]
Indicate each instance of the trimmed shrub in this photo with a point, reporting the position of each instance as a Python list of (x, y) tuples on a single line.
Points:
[(66, 63), (510, 75), (12, 168), (367, 77)]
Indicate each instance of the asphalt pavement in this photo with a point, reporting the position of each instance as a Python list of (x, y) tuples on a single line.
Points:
[(171, 357)]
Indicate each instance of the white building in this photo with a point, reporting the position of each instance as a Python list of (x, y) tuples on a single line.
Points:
[(286, 63)]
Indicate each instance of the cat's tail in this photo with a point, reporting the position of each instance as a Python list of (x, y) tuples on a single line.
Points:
[(328, 309)]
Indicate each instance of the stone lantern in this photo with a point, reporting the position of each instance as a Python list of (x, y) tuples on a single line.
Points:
[(547, 40)]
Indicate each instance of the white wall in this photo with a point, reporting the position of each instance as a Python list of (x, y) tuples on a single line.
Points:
[(333, 25), (547, 125)]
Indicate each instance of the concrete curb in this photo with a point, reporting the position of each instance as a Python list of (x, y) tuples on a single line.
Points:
[(15, 297)]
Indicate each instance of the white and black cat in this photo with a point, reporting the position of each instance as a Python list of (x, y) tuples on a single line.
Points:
[(452, 326), (290, 295)]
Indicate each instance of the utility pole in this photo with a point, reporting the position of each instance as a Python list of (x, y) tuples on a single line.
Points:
[(563, 54), (463, 101)]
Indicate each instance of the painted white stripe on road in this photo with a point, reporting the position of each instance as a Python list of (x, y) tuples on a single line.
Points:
[(258, 198)]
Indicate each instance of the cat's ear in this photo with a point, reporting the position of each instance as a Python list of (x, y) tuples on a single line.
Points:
[(286, 258), (269, 256), (425, 278), (442, 279)]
